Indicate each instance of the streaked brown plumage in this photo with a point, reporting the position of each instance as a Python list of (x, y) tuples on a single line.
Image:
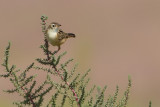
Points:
[(56, 36)]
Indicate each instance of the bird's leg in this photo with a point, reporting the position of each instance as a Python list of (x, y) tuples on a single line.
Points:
[(57, 50)]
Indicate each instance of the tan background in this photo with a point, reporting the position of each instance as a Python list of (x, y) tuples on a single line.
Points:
[(115, 38)]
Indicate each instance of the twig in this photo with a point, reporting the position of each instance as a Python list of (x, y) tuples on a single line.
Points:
[(31, 100), (68, 84), (44, 18), (47, 46)]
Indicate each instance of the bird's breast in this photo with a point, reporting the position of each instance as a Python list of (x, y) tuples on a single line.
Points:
[(52, 35)]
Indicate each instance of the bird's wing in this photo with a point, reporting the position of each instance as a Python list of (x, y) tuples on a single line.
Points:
[(61, 35)]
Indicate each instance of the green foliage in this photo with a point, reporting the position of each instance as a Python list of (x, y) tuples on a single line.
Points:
[(150, 104), (70, 89)]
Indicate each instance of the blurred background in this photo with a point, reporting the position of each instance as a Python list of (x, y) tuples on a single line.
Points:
[(115, 38)]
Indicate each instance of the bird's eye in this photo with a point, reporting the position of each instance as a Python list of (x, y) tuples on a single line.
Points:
[(53, 25)]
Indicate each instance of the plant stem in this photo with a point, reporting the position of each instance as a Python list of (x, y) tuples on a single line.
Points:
[(68, 84), (47, 46), (31, 100), (45, 39)]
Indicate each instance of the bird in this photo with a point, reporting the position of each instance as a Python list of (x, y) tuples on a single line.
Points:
[(56, 36)]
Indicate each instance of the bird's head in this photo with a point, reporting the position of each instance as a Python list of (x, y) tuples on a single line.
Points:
[(54, 25)]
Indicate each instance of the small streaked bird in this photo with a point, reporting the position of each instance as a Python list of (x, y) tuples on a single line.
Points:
[(56, 36)]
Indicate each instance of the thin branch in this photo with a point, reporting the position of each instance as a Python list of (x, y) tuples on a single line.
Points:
[(30, 98), (44, 18), (68, 84)]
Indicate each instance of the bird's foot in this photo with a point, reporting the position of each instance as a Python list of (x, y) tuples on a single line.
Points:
[(55, 52)]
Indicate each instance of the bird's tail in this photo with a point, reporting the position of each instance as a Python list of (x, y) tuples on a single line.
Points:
[(71, 35)]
